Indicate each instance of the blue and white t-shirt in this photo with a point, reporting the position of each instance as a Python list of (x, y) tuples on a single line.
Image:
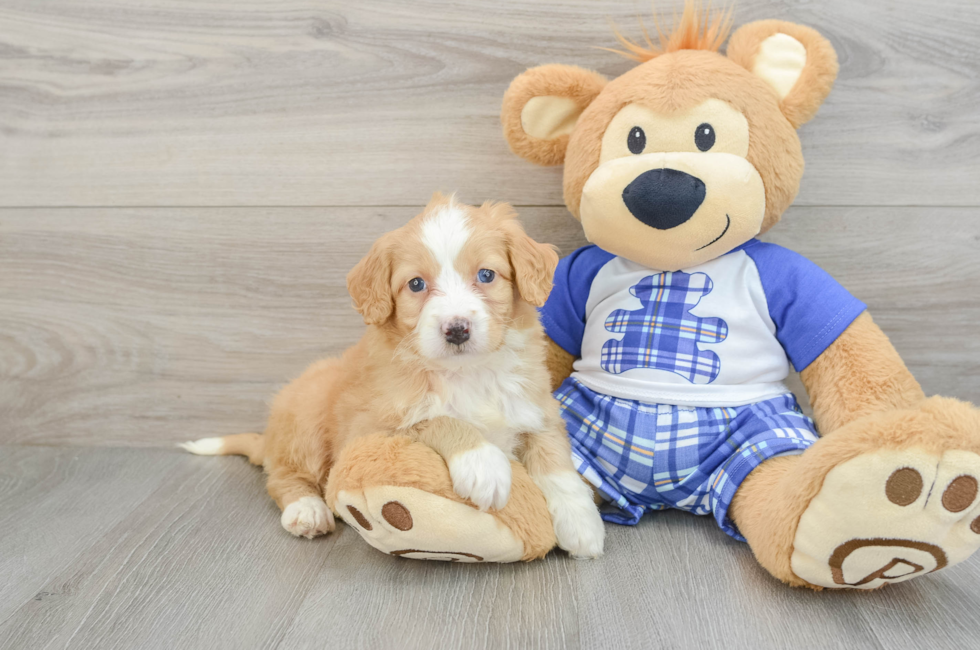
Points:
[(721, 333)]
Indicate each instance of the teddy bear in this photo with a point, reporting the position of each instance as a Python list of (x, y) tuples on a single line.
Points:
[(671, 336)]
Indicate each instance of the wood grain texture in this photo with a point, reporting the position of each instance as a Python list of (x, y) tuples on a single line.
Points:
[(200, 561), (148, 326), (378, 102), (55, 503), (699, 586), (141, 326)]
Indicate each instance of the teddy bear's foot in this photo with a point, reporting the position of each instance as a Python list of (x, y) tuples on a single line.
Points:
[(398, 495), (409, 522), (886, 498), (890, 516)]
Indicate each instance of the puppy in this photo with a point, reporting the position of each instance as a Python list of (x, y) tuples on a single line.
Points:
[(453, 356)]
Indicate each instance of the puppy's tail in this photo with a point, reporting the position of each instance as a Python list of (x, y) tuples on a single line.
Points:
[(240, 444)]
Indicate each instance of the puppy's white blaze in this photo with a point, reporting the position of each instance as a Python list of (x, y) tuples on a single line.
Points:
[(204, 446), (482, 475), (445, 233), (576, 519)]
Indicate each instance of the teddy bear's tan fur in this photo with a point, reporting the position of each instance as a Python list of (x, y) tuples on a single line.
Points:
[(867, 405)]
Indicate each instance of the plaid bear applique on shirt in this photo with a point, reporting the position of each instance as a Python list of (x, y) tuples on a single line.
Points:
[(664, 334)]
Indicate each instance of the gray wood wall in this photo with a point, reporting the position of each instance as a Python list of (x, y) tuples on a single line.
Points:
[(184, 184)]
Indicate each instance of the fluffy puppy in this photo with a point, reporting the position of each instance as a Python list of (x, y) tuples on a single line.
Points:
[(453, 356)]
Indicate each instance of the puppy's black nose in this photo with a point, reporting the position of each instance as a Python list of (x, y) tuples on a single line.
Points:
[(664, 198), (458, 332)]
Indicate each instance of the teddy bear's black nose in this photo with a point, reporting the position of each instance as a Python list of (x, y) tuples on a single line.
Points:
[(664, 198)]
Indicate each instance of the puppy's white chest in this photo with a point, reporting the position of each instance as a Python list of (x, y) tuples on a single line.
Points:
[(494, 401)]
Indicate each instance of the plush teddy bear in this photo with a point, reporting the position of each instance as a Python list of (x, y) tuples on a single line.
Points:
[(672, 335)]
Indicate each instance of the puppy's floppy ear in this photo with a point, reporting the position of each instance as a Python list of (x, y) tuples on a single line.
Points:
[(796, 61), (533, 263), (541, 107), (369, 283)]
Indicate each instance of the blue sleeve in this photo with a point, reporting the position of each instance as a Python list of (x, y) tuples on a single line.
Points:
[(563, 315), (809, 308)]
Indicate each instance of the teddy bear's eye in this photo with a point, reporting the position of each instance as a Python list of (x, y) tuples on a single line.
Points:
[(636, 140), (704, 136)]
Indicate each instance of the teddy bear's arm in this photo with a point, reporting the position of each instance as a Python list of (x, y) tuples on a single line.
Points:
[(559, 364), (859, 373)]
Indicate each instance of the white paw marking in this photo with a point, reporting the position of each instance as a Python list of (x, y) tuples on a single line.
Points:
[(307, 517), (204, 446), (482, 475), (890, 516), (578, 526)]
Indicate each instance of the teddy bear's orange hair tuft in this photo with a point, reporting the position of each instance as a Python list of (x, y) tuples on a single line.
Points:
[(699, 28)]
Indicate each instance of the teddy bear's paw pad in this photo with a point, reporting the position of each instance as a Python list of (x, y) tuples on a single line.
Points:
[(890, 516), (413, 523), (307, 517)]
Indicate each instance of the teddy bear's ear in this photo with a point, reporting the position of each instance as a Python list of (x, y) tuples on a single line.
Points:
[(541, 107), (796, 61)]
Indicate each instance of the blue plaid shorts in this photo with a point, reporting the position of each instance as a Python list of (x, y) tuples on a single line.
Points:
[(657, 456)]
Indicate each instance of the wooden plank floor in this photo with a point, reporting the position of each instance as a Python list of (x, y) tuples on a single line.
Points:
[(183, 187), (122, 548)]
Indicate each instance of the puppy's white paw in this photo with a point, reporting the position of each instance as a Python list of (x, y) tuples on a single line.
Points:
[(307, 517), (574, 514), (482, 475), (580, 531)]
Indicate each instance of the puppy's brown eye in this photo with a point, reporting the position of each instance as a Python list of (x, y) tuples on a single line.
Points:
[(416, 284), (486, 276), (636, 140)]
